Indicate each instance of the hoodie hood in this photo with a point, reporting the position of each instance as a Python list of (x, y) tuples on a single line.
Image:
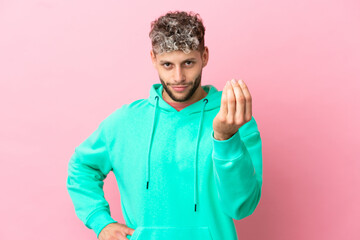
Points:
[(209, 102)]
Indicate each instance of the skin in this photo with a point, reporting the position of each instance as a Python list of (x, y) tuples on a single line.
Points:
[(174, 68), (179, 68), (115, 231), (235, 109)]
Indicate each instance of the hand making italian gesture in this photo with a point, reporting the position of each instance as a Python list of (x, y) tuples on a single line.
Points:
[(235, 110)]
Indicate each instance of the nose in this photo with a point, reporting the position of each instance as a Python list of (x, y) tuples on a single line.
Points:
[(179, 76)]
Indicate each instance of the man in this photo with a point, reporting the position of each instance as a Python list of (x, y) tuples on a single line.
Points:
[(187, 159)]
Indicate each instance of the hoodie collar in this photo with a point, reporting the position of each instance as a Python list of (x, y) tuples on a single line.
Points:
[(213, 96)]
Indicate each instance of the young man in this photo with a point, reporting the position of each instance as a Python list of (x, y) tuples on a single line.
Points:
[(188, 159)]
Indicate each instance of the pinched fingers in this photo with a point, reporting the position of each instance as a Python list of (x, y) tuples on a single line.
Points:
[(242, 106), (236, 103)]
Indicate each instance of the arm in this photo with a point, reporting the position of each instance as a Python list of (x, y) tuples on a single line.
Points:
[(87, 168), (238, 173), (237, 153)]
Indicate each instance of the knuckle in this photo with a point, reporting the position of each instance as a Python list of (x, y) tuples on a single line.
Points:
[(222, 119), (238, 122), (240, 119), (230, 121), (241, 98)]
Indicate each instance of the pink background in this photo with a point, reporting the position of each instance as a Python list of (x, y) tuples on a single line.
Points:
[(66, 65)]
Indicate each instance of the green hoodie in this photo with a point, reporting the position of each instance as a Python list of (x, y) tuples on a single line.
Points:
[(176, 181)]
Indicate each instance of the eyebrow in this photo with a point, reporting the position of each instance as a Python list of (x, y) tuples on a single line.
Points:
[(189, 59)]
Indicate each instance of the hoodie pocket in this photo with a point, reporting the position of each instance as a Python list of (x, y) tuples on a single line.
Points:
[(173, 233)]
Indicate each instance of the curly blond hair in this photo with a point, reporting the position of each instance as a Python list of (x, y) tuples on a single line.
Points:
[(177, 30)]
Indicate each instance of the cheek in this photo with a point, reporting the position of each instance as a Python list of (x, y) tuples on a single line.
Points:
[(166, 77), (194, 73)]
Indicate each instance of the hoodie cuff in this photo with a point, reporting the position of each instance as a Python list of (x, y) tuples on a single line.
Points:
[(99, 220), (228, 149)]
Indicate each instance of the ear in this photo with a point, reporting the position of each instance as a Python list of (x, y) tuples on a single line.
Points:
[(205, 56), (153, 57)]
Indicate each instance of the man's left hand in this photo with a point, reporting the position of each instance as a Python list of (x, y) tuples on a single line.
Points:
[(235, 110)]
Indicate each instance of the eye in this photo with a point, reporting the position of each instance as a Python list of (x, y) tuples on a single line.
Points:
[(190, 63), (166, 64)]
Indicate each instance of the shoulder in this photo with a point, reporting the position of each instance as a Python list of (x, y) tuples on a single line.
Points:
[(125, 112)]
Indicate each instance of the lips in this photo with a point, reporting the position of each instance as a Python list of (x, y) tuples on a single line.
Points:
[(179, 88)]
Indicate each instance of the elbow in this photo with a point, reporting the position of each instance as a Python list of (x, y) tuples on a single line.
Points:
[(243, 207)]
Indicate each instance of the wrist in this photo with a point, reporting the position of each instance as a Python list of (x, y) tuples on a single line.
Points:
[(221, 137)]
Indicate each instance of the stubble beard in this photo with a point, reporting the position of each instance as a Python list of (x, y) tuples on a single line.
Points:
[(187, 96)]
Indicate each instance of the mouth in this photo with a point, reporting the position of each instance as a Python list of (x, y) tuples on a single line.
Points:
[(179, 88)]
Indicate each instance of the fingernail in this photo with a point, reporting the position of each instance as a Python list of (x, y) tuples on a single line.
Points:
[(233, 81), (241, 82)]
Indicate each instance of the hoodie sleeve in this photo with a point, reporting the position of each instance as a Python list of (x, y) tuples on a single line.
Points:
[(238, 171), (87, 168)]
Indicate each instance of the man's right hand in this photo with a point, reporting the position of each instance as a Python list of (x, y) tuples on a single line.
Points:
[(115, 231)]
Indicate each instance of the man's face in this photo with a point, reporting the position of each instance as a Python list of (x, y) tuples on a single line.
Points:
[(180, 73)]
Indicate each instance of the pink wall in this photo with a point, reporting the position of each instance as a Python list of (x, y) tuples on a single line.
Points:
[(65, 65)]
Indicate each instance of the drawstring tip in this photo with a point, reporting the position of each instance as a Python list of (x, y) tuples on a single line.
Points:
[(147, 185), (195, 207)]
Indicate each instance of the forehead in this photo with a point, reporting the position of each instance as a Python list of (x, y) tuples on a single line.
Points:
[(178, 56)]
